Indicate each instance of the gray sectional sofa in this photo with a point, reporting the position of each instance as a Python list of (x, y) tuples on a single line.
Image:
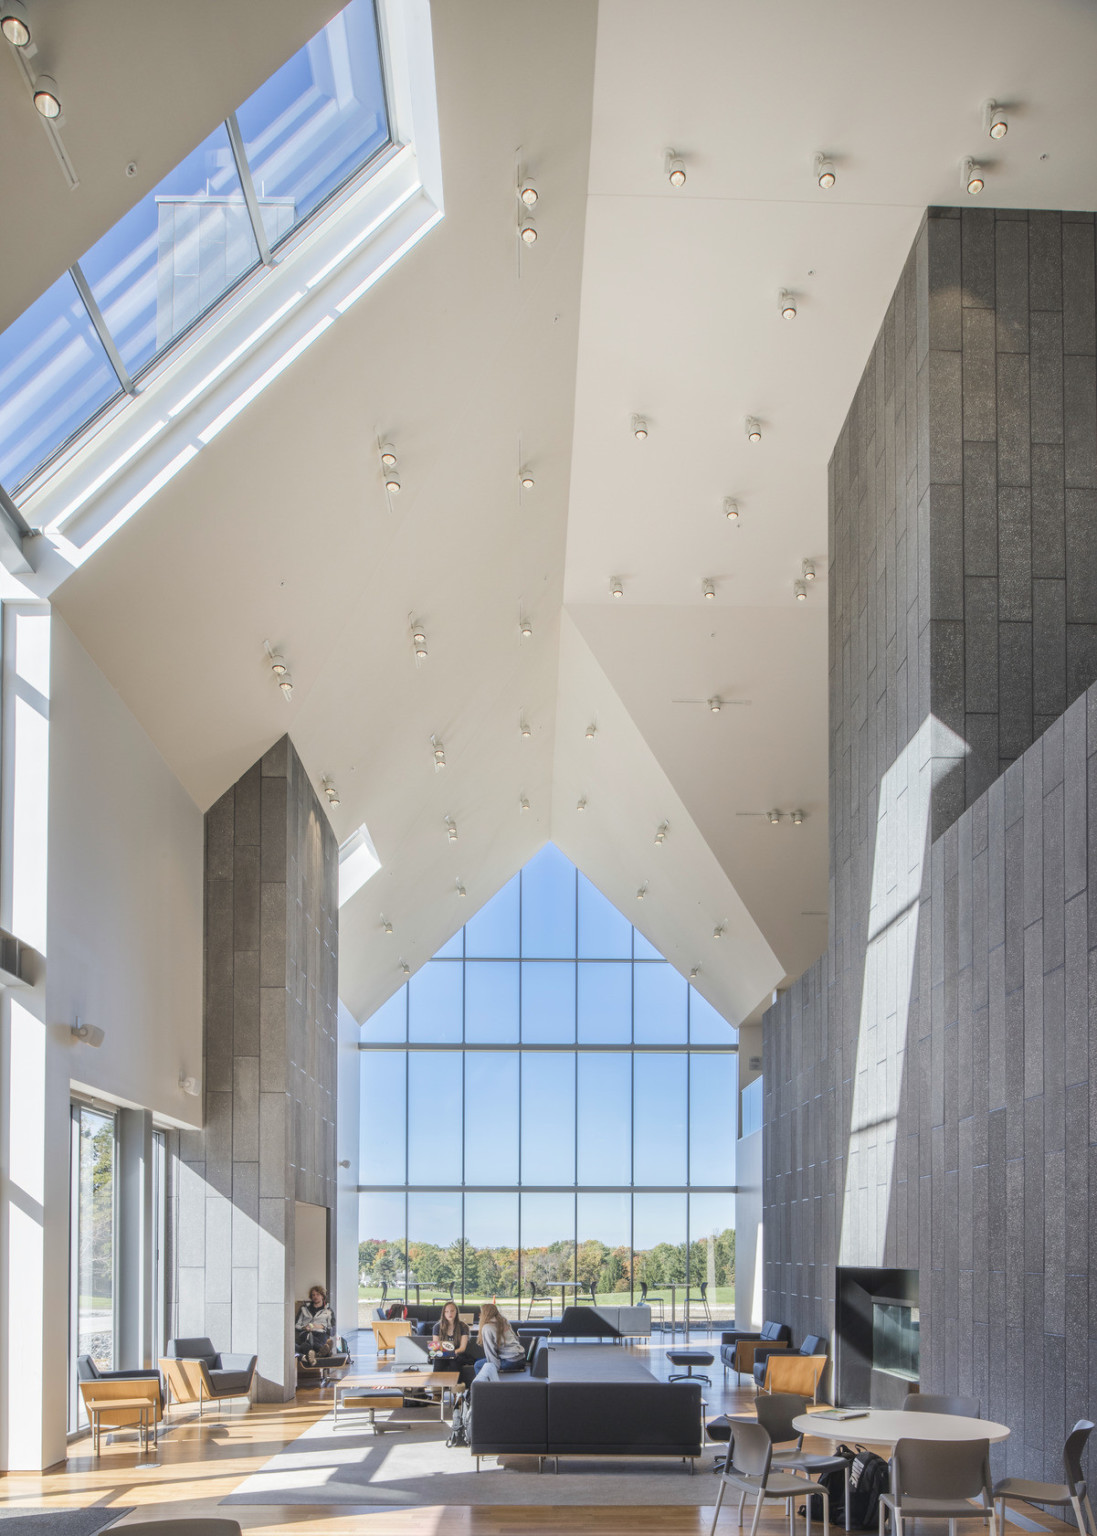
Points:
[(585, 1400)]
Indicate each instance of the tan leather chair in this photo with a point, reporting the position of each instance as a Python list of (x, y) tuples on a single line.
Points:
[(791, 1371)]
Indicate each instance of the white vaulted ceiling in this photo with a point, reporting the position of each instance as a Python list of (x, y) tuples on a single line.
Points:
[(636, 298)]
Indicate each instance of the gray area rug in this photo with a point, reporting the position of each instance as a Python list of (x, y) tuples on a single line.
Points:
[(342, 1464), (60, 1522)]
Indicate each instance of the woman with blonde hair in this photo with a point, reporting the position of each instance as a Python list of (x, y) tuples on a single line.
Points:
[(504, 1351)]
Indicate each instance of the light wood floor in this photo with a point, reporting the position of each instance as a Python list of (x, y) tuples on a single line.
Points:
[(200, 1464)]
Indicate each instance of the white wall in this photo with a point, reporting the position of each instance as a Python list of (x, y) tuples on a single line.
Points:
[(344, 1285), (124, 909), (310, 1249)]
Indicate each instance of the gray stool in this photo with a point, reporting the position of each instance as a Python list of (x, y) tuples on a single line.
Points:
[(689, 1358)]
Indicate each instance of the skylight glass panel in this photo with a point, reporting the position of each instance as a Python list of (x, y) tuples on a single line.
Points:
[(315, 121), (54, 376), (174, 255), (358, 861)]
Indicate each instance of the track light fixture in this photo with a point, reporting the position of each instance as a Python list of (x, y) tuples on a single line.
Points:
[(405, 968), (731, 509), (419, 642), (525, 628), (523, 803), (581, 803), (439, 753), (460, 890), (616, 587), (642, 892), (189, 1085), (330, 790), (971, 174), (388, 456), (87, 1034), (386, 926), (591, 731), (14, 23), (715, 704), (676, 169), (719, 931), (787, 304), (47, 97), (527, 226), (825, 173), (773, 817), (708, 588), (661, 834), (997, 123), (807, 570), (524, 730), (527, 192), (451, 828), (753, 429), (280, 671), (526, 480), (694, 973), (639, 428), (797, 818), (801, 590)]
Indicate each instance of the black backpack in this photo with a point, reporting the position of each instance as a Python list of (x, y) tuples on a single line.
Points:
[(868, 1479)]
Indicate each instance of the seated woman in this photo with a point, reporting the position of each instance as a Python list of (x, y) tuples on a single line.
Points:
[(450, 1343), (504, 1351), (314, 1329)]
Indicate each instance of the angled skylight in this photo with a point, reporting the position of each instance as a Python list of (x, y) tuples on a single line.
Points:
[(218, 216), (358, 862)]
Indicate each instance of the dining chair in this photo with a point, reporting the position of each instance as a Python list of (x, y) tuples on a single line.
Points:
[(749, 1470), (653, 1302), (936, 1480), (942, 1402), (1072, 1490), (776, 1411)]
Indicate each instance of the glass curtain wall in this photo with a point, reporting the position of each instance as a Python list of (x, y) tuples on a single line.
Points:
[(548, 1108), (92, 1243)]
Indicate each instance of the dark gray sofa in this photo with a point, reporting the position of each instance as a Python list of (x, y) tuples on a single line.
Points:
[(585, 1400)]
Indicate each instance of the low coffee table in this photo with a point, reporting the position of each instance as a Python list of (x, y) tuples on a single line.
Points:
[(391, 1387)]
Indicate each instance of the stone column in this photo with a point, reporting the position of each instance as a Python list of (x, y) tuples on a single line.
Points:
[(270, 1064)]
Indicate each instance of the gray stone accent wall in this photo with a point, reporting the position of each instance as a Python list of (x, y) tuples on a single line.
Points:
[(927, 1081), (270, 1065)]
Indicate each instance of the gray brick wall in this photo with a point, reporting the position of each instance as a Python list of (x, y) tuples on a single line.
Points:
[(270, 1066), (928, 1100)]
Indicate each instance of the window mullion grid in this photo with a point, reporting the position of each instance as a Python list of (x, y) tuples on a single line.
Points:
[(251, 200), (102, 330)]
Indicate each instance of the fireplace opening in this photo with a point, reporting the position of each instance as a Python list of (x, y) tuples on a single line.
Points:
[(895, 1338), (876, 1343)]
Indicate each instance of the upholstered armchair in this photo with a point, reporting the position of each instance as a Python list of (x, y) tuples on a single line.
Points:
[(198, 1373)]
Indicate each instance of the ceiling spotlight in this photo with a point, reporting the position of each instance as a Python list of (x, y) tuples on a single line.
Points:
[(523, 804), (773, 817), (996, 120), (661, 834), (616, 587), (787, 303), (285, 682), (451, 828), (527, 227), (523, 726), (824, 172), (87, 1034), (731, 509), (715, 703), (808, 570), (392, 482), (972, 177), (386, 926), (676, 169), (642, 892), (405, 968), (527, 192), (439, 753), (189, 1085), (696, 971), (525, 628), (419, 642), (330, 790), (708, 588), (460, 889), (753, 430), (14, 23), (639, 428), (46, 97), (797, 818), (581, 803), (591, 731), (388, 456), (801, 590), (719, 931), (527, 480)]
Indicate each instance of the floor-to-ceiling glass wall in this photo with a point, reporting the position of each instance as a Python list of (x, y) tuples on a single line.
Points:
[(92, 1243), (548, 1111)]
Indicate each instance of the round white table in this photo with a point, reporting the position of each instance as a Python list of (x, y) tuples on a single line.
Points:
[(886, 1426)]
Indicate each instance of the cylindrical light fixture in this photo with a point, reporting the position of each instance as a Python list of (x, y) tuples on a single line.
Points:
[(527, 227), (451, 829), (388, 456), (524, 729), (996, 120), (972, 177), (581, 803), (807, 570), (639, 428), (731, 509), (715, 704), (591, 731), (616, 587), (47, 97), (708, 588), (801, 590), (661, 834), (773, 817), (525, 628), (825, 173), (527, 192), (14, 23), (753, 429), (523, 803), (787, 304), (676, 169), (527, 480), (797, 818)]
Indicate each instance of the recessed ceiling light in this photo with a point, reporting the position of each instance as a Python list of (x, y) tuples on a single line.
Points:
[(675, 169), (731, 509), (591, 731), (527, 480), (527, 227), (639, 428), (527, 192), (753, 429), (581, 803), (787, 304), (14, 23), (451, 828), (824, 172), (715, 704), (523, 804), (525, 628), (523, 726), (972, 177), (808, 570), (797, 818), (801, 590), (773, 817), (708, 588), (47, 96), (661, 834), (616, 587), (996, 120)]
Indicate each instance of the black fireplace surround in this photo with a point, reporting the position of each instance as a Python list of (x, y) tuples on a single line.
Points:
[(876, 1337)]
